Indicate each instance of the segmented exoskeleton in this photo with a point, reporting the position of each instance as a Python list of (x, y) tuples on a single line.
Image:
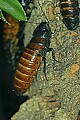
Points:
[(70, 12), (31, 58)]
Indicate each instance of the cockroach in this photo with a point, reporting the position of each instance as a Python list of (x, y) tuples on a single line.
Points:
[(31, 58), (70, 12)]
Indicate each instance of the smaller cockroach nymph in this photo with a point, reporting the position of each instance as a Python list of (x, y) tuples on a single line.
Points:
[(70, 12), (31, 58)]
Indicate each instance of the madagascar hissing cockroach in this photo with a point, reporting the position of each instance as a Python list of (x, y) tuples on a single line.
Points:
[(70, 12), (31, 58)]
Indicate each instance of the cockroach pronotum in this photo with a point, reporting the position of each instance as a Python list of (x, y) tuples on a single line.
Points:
[(70, 12), (31, 58)]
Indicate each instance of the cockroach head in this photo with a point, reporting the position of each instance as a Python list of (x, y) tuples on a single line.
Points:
[(42, 30)]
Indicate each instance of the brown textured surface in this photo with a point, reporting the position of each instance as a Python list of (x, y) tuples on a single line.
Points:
[(10, 30)]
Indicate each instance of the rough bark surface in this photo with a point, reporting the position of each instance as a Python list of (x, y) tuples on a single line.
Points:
[(59, 97)]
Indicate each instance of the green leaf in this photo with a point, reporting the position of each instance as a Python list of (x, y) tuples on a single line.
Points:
[(13, 8), (2, 17)]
